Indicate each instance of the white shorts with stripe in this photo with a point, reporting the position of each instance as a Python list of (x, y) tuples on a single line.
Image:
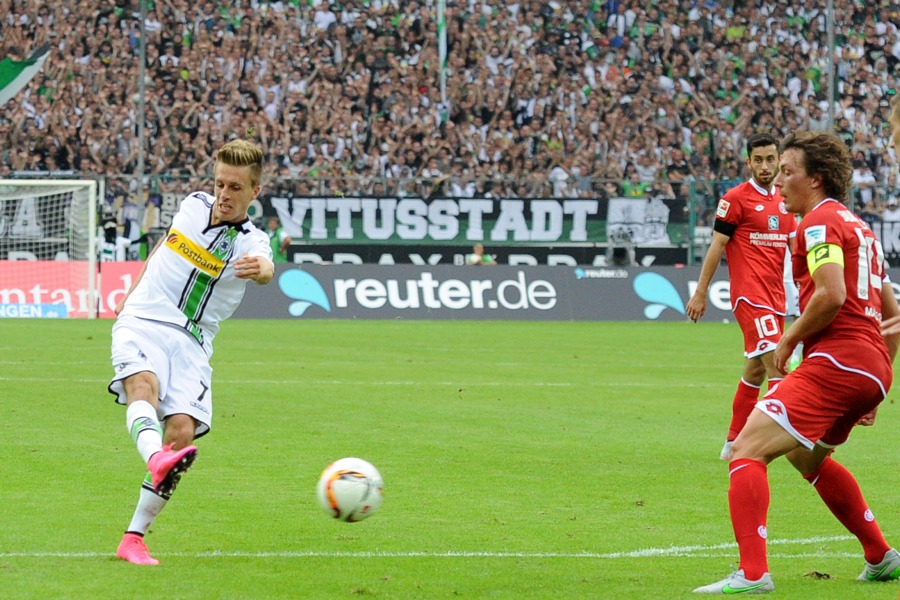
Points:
[(175, 357)]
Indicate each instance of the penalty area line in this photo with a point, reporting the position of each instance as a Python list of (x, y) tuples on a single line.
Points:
[(706, 551)]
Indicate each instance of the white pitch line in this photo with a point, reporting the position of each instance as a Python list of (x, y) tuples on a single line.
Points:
[(296, 382), (54, 363), (692, 550), (672, 551)]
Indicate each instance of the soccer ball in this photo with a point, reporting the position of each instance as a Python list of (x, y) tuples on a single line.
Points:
[(350, 489)]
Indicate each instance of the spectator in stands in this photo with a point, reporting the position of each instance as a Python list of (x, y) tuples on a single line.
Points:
[(479, 258), (588, 84), (891, 212), (864, 183), (633, 186), (279, 240)]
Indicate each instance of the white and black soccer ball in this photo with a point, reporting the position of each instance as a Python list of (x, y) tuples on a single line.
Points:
[(350, 489)]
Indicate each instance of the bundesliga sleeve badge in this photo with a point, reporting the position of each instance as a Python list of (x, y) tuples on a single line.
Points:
[(813, 236), (722, 208)]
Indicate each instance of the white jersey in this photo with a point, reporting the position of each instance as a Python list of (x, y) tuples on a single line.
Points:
[(189, 280), (113, 251)]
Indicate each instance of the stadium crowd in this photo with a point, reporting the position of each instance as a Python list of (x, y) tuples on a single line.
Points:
[(545, 98)]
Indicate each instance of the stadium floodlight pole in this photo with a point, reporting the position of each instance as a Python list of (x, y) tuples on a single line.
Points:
[(442, 55), (829, 18), (142, 104)]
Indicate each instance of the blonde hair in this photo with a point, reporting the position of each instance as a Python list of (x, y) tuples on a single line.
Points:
[(243, 153)]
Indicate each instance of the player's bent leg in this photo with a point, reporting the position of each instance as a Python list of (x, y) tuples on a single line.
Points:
[(150, 505), (142, 386), (142, 399), (807, 462), (755, 369), (168, 465), (763, 439), (177, 455), (841, 493), (180, 430), (760, 441), (772, 375)]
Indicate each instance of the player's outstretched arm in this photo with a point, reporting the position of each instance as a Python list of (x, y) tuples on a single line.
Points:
[(696, 306), (258, 268)]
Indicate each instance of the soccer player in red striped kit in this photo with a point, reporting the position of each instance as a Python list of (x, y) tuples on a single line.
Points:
[(753, 229), (845, 374)]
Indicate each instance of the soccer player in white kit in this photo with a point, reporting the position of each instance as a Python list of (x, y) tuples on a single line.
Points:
[(162, 339)]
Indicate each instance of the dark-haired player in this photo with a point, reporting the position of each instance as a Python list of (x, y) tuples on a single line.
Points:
[(752, 229)]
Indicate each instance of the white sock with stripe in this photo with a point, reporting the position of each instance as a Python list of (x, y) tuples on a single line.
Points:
[(144, 427), (149, 505)]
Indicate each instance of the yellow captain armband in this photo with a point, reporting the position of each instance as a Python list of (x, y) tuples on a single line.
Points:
[(824, 254)]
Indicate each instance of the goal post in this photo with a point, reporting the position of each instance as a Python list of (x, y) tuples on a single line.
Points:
[(48, 248)]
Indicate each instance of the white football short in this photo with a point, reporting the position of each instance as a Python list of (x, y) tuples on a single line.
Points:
[(175, 357)]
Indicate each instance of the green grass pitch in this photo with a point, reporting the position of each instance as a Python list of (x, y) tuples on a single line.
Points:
[(521, 460)]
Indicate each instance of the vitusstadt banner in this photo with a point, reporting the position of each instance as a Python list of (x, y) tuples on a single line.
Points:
[(468, 220)]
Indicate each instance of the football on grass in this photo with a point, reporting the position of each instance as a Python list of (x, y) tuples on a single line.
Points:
[(350, 489)]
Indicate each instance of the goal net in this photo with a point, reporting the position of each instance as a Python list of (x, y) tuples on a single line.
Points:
[(48, 257)]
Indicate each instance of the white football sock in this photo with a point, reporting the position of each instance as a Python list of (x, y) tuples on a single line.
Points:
[(149, 505), (144, 427)]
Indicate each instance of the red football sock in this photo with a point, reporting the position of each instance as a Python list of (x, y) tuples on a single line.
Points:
[(841, 494), (748, 499), (745, 399)]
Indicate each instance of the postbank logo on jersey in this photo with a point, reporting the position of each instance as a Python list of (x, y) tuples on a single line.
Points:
[(198, 256)]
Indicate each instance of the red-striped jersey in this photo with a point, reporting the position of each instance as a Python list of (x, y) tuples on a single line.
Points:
[(759, 227), (857, 324)]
